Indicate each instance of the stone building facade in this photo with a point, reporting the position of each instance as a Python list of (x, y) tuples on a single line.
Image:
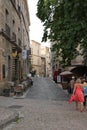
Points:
[(40, 59), (36, 57), (14, 40), (45, 52), (43, 66)]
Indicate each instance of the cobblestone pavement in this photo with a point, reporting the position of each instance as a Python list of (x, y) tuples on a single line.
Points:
[(7, 116), (46, 113), (44, 88)]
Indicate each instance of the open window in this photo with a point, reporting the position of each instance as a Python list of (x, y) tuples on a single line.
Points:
[(3, 71)]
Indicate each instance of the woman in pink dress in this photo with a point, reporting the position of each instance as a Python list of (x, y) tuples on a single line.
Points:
[(78, 95)]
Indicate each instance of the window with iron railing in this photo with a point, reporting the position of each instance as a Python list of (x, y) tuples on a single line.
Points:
[(3, 71), (19, 33), (13, 25), (19, 8), (13, 37), (7, 16), (19, 42), (29, 52), (7, 30)]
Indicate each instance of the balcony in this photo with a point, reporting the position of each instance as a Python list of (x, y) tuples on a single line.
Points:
[(7, 30)]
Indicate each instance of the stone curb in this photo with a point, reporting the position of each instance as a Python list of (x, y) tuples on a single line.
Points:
[(9, 120)]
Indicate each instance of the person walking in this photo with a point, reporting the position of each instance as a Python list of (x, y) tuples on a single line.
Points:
[(85, 92), (71, 85), (78, 95)]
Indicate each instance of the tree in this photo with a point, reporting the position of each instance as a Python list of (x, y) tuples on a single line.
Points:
[(65, 24)]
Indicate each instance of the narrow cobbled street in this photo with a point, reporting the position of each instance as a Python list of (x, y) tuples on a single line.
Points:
[(43, 88), (45, 107)]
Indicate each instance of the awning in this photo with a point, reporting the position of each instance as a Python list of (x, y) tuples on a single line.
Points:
[(80, 70), (66, 73)]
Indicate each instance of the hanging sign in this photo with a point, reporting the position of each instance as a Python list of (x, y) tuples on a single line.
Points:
[(24, 54)]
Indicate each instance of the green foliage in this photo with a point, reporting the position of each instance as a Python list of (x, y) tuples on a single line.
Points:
[(65, 22)]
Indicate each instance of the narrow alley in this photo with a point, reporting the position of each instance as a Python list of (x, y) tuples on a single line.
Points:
[(45, 107)]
